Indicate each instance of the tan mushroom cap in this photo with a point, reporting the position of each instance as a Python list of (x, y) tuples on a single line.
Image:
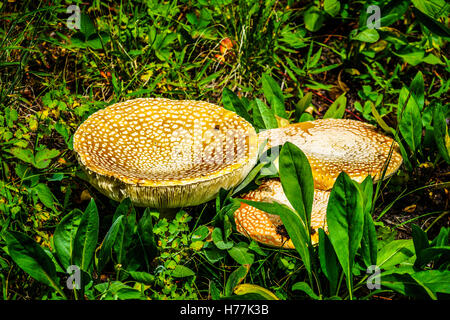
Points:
[(165, 153), (336, 145), (268, 228)]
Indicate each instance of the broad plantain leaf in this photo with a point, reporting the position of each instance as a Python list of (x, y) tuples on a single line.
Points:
[(297, 180), (328, 261), (345, 218), (31, 258), (247, 288), (86, 238), (63, 238), (440, 131), (235, 278), (410, 123), (106, 248)]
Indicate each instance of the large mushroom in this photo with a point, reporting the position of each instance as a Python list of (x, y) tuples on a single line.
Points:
[(165, 153)]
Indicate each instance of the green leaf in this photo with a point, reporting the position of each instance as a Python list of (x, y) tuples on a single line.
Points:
[(324, 68), (274, 95), (369, 238), (297, 180), (337, 108), (313, 18), (328, 261), (394, 253), (410, 123), (368, 35), (43, 157), (214, 254), (86, 238), (106, 248), (124, 208), (142, 277), (265, 115), (380, 120), (442, 239), (402, 283), (128, 293), (277, 106), (260, 292), (64, 236), (433, 253), (440, 132), (303, 286), (87, 28), (249, 178), (311, 63), (45, 195), (392, 12), (231, 102), (332, 7), (404, 154), (345, 218), (200, 233), (10, 116), (241, 255), (117, 290), (432, 59), (31, 258), (217, 238), (181, 271), (420, 239), (22, 154), (271, 88), (301, 106), (124, 239), (417, 89), (432, 8), (64, 132), (433, 281), (411, 55), (147, 242), (436, 27), (235, 278), (306, 117)]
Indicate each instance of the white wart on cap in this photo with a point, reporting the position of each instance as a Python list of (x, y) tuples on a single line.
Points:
[(336, 145), (165, 153), (267, 228)]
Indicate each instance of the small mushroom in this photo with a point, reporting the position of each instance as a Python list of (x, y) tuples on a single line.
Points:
[(331, 146), (165, 153), (336, 145), (268, 228)]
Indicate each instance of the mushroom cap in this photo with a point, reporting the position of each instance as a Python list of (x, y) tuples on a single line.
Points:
[(165, 153), (336, 145), (268, 228)]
